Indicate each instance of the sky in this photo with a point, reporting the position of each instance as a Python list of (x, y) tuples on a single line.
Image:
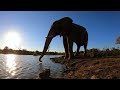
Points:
[(33, 26)]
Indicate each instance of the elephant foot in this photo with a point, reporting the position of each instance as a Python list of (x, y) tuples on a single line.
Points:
[(85, 54), (65, 57), (76, 55), (72, 57)]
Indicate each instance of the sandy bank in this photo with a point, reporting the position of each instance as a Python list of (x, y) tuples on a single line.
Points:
[(91, 68)]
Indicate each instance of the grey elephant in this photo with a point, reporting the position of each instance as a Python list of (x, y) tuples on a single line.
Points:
[(70, 32)]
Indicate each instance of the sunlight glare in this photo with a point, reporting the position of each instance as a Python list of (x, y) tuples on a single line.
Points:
[(12, 40), (10, 64)]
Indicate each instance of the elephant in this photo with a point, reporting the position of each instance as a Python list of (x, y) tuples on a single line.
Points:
[(71, 33)]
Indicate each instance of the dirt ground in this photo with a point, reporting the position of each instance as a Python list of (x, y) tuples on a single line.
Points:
[(91, 68)]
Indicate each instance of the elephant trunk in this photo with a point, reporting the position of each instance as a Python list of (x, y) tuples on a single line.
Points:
[(47, 42)]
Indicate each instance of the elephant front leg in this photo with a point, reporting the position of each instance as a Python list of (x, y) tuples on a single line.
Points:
[(65, 47), (85, 48), (70, 48)]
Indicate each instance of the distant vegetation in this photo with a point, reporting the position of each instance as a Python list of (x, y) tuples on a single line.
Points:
[(103, 53), (7, 50), (91, 52)]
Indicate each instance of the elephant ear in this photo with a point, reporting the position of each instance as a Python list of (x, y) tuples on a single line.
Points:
[(66, 24)]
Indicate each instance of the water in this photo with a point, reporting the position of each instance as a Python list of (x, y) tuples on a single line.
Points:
[(28, 66)]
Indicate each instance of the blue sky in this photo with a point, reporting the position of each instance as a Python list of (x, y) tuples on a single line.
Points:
[(103, 27)]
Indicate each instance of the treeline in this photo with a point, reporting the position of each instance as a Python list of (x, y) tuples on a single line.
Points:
[(7, 50), (94, 52), (108, 52)]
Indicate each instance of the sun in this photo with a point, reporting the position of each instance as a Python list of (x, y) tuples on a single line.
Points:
[(12, 40)]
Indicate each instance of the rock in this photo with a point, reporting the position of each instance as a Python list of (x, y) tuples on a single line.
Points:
[(45, 74), (93, 77), (98, 70)]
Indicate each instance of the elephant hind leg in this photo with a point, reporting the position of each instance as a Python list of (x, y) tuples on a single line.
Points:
[(85, 48), (78, 48)]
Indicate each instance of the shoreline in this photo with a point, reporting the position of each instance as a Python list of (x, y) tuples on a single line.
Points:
[(90, 68)]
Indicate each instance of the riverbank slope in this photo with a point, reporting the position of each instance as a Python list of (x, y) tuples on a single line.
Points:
[(91, 68)]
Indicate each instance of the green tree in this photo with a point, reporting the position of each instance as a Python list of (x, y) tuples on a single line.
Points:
[(5, 50), (117, 40)]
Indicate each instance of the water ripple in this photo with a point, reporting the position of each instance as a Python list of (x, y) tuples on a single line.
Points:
[(27, 66)]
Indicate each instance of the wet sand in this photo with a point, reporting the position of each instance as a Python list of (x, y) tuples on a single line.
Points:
[(90, 68)]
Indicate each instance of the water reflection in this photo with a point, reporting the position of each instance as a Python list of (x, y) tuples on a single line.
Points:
[(27, 66), (10, 64)]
